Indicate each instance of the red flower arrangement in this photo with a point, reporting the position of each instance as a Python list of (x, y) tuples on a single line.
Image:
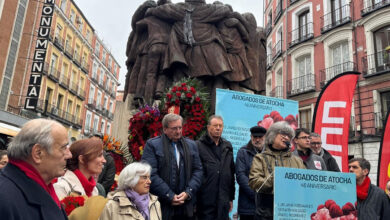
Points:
[(143, 125), (72, 202), (192, 100), (275, 116), (330, 210)]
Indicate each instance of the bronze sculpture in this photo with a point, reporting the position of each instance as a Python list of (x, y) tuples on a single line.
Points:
[(211, 42)]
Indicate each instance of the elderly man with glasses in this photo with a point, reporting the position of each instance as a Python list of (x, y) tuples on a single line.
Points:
[(316, 147), (176, 169), (261, 176), (303, 150)]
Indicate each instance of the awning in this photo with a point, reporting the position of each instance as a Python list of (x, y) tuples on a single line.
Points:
[(8, 129)]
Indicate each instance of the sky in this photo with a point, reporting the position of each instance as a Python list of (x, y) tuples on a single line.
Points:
[(112, 22)]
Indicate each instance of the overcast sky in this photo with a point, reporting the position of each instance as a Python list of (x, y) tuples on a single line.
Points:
[(111, 20)]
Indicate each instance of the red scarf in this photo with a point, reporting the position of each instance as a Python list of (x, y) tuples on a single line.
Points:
[(31, 172), (362, 190), (88, 185)]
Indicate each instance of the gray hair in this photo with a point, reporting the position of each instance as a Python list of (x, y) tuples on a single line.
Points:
[(280, 127), (313, 134), (36, 131), (168, 118), (214, 116), (129, 176)]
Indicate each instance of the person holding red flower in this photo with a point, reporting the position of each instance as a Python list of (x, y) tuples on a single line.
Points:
[(372, 202), (86, 163)]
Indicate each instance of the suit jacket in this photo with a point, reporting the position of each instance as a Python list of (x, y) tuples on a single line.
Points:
[(24, 199)]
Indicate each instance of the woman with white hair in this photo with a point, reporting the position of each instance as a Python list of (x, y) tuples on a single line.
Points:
[(132, 200)]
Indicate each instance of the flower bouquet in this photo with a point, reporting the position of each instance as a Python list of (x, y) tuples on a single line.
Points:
[(72, 202)]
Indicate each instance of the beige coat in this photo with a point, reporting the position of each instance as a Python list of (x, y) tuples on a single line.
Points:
[(260, 171), (119, 207), (69, 183)]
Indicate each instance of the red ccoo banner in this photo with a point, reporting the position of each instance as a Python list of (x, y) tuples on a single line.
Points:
[(332, 115), (384, 156)]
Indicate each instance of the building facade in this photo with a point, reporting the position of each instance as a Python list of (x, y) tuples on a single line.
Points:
[(46, 64), (311, 41)]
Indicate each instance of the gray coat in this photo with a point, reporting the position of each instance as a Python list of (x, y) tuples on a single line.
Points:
[(313, 162), (375, 206)]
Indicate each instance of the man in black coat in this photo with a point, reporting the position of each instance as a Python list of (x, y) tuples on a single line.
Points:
[(316, 147), (246, 198), (176, 169), (216, 194), (37, 155)]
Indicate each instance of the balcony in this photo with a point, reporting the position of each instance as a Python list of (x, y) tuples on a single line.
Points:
[(98, 107), (78, 122), (268, 28), (68, 51), (106, 87), (277, 50), (301, 84), (94, 77), (105, 112), (53, 74), (336, 18), (301, 34), (73, 88), (101, 82), (290, 2), (278, 11), (85, 67), (369, 6), (64, 81), (269, 61), (59, 42), (77, 59), (113, 94), (376, 64), (91, 103), (81, 93), (328, 73), (277, 92)]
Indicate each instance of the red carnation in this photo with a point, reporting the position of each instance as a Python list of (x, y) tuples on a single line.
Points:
[(185, 89), (177, 101), (169, 95), (183, 84), (197, 99), (189, 95), (179, 88), (174, 89), (178, 94)]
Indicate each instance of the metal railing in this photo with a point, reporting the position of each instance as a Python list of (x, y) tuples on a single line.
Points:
[(330, 72), (336, 18), (73, 87), (64, 81), (301, 34), (378, 62), (68, 51), (91, 102), (277, 50), (277, 92), (278, 11), (301, 84), (269, 61), (94, 77), (369, 6), (53, 73), (85, 66), (76, 58), (59, 42), (290, 2), (81, 93)]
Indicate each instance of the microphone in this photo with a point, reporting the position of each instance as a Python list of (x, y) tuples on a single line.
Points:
[(287, 143)]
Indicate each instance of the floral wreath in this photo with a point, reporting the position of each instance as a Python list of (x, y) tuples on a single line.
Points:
[(186, 97)]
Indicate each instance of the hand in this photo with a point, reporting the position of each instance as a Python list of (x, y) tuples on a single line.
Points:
[(231, 206), (183, 196), (177, 200)]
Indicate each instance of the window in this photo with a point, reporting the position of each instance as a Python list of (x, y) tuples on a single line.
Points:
[(59, 101), (382, 41), (63, 5), (304, 66), (69, 106), (49, 94), (73, 78), (102, 126), (72, 15), (94, 70), (97, 48), (340, 11), (305, 118), (77, 113), (91, 93), (108, 130), (81, 86), (103, 55), (53, 64), (95, 124), (303, 22), (385, 101), (111, 106), (340, 59), (88, 121), (99, 99), (105, 102), (87, 35), (64, 70)]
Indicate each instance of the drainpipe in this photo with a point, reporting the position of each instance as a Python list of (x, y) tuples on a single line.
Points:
[(357, 84)]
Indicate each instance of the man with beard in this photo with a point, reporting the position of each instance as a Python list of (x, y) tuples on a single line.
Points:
[(246, 197)]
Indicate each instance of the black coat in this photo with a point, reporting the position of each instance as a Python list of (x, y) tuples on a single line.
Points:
[(24, 199), (218, 185), (154, 155), (330, 162), (107, 176), (375, 206), (246, 197)]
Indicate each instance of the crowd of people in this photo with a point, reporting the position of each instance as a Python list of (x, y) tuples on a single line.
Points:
[(178, 178)]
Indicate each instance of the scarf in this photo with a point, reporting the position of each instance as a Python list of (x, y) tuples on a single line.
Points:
[(141, 202), (88, 184), (33, 174), (362, 190)]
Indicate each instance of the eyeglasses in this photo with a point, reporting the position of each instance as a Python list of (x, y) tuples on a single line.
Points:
[(284, 135), (304, 137), (176, 128), (145, 177)]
